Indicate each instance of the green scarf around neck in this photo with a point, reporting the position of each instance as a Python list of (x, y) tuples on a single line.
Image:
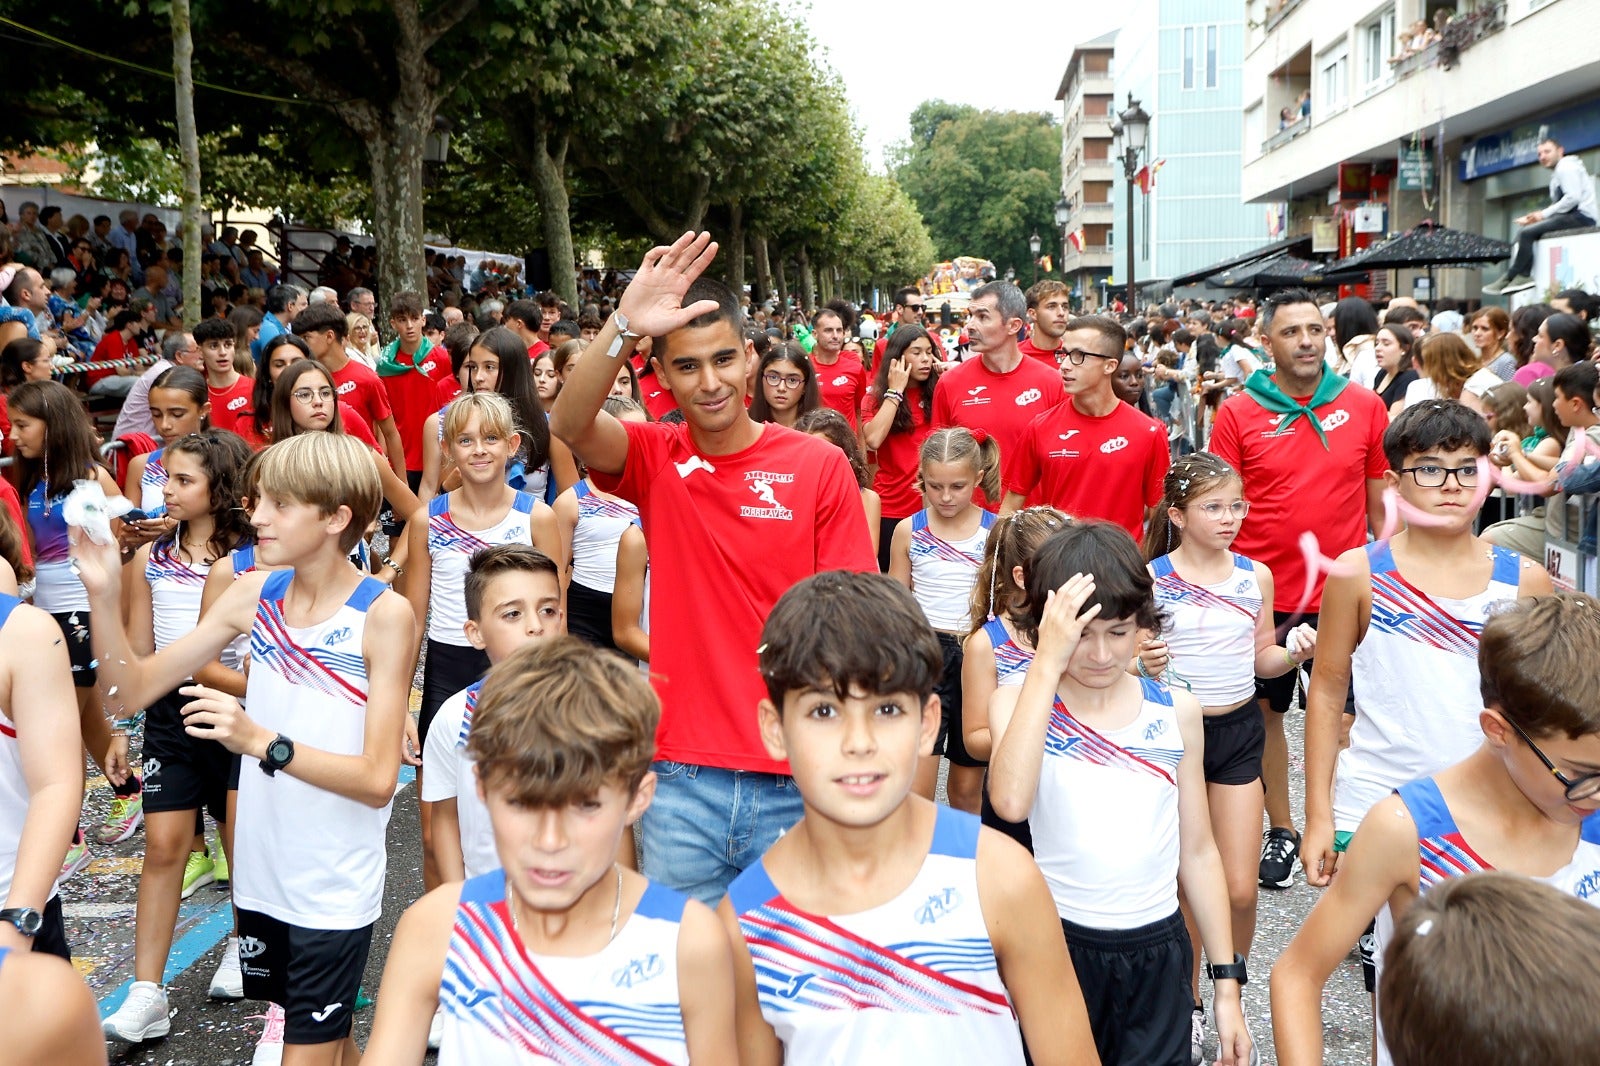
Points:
[(1266, 392), (389, 365)]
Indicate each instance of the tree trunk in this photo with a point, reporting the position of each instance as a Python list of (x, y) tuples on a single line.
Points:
[(735, 248), (694, 215), (395, 153), (808, 283), (555, 215), (783, 280), (189, 149), (758, 248)]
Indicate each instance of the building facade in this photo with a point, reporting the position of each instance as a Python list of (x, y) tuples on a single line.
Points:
[(1366, 118), (1087, 172)]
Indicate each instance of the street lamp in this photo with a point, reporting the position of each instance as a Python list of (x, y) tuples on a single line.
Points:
[(1033, 249), (1063, 216), (1128, 132)]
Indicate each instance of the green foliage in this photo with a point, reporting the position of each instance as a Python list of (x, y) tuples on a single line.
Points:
[(983, 180)]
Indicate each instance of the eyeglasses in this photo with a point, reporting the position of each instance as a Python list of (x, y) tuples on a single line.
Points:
[(1076, 356), (914, 307), (307, 395), (793, 381), (1238, 509), (1578, 788), (1430, 476)]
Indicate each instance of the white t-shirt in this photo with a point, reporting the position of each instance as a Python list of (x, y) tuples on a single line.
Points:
[(450, 776), (1481, 381)]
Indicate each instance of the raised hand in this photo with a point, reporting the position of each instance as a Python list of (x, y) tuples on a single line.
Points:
[(1060, 623), (653, 300), (899, 374), (99, 566)]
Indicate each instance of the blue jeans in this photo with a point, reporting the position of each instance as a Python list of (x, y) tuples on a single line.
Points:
[(707, 824)]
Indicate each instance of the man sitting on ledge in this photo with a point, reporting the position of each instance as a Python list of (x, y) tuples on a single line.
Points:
[(1572, 207)]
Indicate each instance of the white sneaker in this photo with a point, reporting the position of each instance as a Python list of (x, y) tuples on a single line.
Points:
[(269, 1049), (228, 981), (436, 1029), (142, 1016), (1197, 1037)]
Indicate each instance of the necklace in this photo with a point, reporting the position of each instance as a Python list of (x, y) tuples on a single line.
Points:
[(616, 909)]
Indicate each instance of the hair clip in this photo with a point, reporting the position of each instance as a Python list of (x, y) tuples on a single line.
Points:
[(1425, 927)]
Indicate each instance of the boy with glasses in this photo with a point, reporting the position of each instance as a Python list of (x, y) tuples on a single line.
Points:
[(1524, 802)]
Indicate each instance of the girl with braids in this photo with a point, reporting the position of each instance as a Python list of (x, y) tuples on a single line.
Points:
[(897, 416), (1215, 640), (995, 653), (936, 554)]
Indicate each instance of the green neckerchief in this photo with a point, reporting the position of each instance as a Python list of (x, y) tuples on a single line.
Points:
[(390, 366), (1265, 392)]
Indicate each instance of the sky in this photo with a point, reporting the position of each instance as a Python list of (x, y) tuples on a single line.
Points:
[(1032, 38)]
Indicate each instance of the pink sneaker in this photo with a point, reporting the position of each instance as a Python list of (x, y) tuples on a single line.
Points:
[(77, 858), (124, 816), (269, 1049)]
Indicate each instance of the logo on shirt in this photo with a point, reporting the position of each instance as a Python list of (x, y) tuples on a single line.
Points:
[(1336, 419), (1115, 444), (638, 971), (338, 636), (237, 402), (1155, 729), (1031, 396), (426, 368), (250, 947), (762, 484), (938, 905), (694, 463), (516, 533), (325, 1013), (152, 768), (796, 983), (975, 397), (974, 392), (1589, 886), (344, 387), (478, 996), (1068, 435), (1243, 586), (842, 379)]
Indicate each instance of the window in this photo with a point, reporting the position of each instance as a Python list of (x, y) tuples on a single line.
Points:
[(1377, 46), (1188, 57), (1211, 57), (1334, 78)]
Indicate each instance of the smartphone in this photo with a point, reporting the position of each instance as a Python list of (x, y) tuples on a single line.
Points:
[(137, 515)]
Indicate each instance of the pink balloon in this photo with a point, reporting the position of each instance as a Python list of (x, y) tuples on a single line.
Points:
[(1317, 563)]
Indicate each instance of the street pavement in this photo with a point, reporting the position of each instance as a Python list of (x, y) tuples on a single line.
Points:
[(99, 905)]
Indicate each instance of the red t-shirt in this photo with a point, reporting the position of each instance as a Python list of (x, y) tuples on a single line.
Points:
[(358, 427), (233, 407), (1294, 484), (658, 399), (360, 387), (413, 397), (976, 397), (536, 349), (728, 535), (898, 458), (1044, 355), (1108, 468), (111, 346), (13, 505), (842, 385)]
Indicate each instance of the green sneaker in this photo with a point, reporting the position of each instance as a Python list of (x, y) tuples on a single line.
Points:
[(125, 815), (197, 873), (219, 863)]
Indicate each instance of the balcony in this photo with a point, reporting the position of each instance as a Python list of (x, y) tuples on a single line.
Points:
[(1095, 213), (1091, 170), (1460, 33), (1287, 134), (1281, 11)]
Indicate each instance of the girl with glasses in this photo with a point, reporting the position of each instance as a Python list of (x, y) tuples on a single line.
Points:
[(786, 386)]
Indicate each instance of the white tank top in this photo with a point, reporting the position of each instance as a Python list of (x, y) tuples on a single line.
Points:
[(175, 589), (1011, 660), (601, 522), (14, 792), (304, 855), (917, 974), (1105, 816), (1444, 853), (451, 549), (943, 572), (504, 1006), (151, 481), (1211, 631), (1415, 676)]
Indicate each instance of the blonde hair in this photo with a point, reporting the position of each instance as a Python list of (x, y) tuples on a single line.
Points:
[(960, 445), (1447, 361), (492, 410), (326, 471), (1011, 543), (559, 720)]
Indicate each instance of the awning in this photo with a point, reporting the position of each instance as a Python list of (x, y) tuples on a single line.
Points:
[(1276, 271), (1195, 277)]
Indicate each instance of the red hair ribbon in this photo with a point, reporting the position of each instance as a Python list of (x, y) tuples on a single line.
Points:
[(980, 435)]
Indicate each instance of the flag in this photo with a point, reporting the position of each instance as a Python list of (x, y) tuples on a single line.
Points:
[(1147, 176), (1046, 263), (1075, 238)]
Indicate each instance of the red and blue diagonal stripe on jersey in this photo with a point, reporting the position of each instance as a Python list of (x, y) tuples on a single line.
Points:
[(445, 535), (596, 506), (466, 715), (1068, 737), (1400, 608), (340, 674), (1444, 857), (165, 564), (1170, 588), (924, 543)]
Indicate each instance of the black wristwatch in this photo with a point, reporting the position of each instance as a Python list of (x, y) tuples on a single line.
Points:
[(27, 920), (1229, 971), (279, 752)]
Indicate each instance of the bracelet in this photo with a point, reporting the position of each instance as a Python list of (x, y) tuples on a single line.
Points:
[(399, 571), (897, 397), (1289, 655), (1138, 661)]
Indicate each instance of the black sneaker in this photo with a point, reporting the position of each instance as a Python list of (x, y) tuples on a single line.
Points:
[(1278, 850)]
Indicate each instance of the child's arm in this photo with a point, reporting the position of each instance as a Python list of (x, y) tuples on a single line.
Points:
[(394, 449), (214, 674), (1019, 718), (544, 535), (900, 553), (872, 503), (440, 787), (977, 686), (1339, 625), (411, 978), (566, 511), (1299, 644), (395, 489), (417, 582), (432, 458), (1032, 955), (563, 467), (141, 611), (706, 988), (758, 1044), (1381, 859), (130, 484), (627, 596)]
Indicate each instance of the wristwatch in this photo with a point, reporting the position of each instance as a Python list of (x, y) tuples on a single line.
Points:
[(27, 920), (623, 332), (279, 752), (1229, 971)]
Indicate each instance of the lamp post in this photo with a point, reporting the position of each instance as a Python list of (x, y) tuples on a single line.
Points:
[(1063, 216), (1128, 132), (1033, 249)]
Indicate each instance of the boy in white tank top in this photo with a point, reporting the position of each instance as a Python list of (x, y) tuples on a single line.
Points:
[(1525, 802), (321, 742), (563, 956), (881, 927)]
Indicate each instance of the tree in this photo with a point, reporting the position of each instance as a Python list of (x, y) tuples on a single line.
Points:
[(189, 143), (983, 180), (884, 241)]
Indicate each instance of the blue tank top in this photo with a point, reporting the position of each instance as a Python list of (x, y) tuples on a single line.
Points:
[(1011, 660)]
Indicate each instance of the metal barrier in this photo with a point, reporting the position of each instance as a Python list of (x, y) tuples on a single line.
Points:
[(136, 362), (1570, 557)]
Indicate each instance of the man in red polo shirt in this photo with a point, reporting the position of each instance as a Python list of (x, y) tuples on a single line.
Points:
[(1000, 391), (1309, 446), (1091, 455), (1049, 309), (735, 512), (841, 379)]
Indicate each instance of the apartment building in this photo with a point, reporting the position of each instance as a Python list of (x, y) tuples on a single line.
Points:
[(1087, 171)]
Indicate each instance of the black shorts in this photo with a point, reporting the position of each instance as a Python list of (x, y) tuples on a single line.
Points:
[(313, 974), (392, 523), (589, 616), (51, 939), (1279, 691), (951, 743), (182, 772), (1018, 831), (448, 669), (1135, 984), (75, 629), (885, 538), (1235, 743)]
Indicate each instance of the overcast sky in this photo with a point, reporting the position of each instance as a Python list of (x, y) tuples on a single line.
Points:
[(999, 54)]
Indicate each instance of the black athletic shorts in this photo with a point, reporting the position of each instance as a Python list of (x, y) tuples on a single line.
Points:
[(448, 669), (51, 939), (1135, 984), (182, 772), (75, 631), (313, 974), (952, 743), (1018, 831), (589, 616), (885, 538), (1235, 743)]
